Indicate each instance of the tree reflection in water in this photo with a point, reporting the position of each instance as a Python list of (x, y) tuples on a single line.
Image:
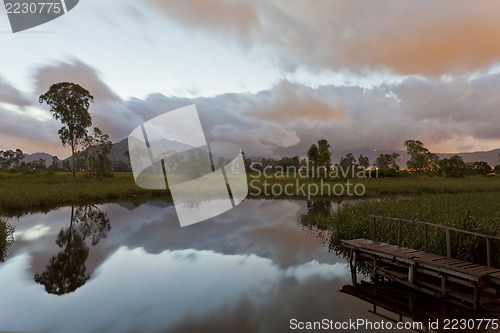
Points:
[(6, 238), (319, 214), (66, 271), (317, 219)]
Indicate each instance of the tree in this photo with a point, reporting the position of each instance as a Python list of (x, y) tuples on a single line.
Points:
[(55, 163), (17, 158), (387, 161), (66, 165), (420, 157), (69, 103), (347, 162), (38, 164), (10, 158), (481, 168), (453, 167), (313, 155), (96, 146), (364, 162), (324, 157), (319, 155), (289, 163)]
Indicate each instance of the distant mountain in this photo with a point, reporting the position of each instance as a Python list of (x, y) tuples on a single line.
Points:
[(487, 156), (36, 156), (118, 151), (120, 148)]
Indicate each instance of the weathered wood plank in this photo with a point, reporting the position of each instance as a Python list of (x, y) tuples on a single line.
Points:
[(446, 265)]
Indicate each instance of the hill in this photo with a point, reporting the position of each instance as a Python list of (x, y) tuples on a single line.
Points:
[(36, 156)]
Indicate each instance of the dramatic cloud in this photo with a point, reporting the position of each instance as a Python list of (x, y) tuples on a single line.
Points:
[(78, 72), (447, 115), (222, 16), (11, 95), (19, 129), (290, 103), (411, 37)]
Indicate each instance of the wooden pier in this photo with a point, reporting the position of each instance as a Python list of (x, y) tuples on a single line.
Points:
[(455, 280)]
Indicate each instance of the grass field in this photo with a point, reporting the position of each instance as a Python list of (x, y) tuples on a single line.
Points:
[(38, 192), (376, 187), (477, 212)]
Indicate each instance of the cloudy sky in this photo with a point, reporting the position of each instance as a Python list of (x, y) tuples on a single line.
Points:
[(272, 76)]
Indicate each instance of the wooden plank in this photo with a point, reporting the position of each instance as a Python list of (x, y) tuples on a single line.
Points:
[(447, 262), (486, 270), (441, 260), (466, 264), (497, 275)]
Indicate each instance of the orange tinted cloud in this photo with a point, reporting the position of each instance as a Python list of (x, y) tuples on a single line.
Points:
[(223, 16), (290, 103), (410, 37), (428, 38)]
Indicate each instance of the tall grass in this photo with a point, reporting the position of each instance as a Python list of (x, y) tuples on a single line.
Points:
[(477, 212), (376, 187), (20, 194)]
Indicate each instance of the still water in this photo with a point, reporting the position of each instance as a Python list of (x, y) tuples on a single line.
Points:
[(121, 268)]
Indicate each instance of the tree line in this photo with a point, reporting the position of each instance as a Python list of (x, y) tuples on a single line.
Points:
[(421, 161)]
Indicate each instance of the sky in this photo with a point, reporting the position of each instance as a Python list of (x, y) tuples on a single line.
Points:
[(271, 76)]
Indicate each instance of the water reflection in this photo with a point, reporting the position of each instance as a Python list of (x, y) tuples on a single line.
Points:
[(400, 304), (252, 266), (318, 214), (6, 238), (66, 271), (251, 269)]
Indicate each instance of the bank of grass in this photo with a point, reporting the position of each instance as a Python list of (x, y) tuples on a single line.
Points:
[(477, 212), (41, 192), (375, 187)]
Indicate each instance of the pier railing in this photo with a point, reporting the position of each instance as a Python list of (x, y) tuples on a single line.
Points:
[(446, 229)]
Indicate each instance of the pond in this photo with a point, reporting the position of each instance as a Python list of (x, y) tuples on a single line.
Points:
[(126, 268)]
